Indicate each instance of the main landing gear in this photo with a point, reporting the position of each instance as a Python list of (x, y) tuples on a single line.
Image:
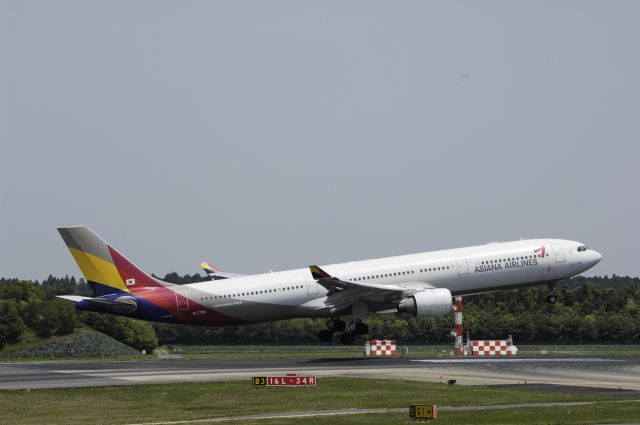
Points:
[(357, 327)]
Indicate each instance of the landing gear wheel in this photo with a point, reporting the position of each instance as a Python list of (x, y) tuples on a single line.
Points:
[(552, 299), (361, 328), (325, 335), (347, 338), (338, 326)]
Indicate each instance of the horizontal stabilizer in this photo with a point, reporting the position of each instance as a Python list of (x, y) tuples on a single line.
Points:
[(124, 304)]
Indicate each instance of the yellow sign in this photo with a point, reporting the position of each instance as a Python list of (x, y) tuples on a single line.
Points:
[(423, 411), (259, 381)]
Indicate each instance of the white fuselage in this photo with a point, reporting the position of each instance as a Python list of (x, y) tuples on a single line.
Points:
[(470, 270)]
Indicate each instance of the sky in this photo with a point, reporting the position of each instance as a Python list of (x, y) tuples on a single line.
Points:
[(273, 135)]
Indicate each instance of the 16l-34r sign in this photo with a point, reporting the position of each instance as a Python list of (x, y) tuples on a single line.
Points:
[(284, 381)]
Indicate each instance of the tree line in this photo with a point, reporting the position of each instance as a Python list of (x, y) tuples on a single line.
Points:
[(31, 307), (591, 309)]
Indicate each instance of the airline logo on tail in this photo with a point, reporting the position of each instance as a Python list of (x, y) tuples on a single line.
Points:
[(120, 287), (210, 270)]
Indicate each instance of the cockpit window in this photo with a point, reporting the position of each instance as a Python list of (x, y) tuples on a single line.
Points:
[(582, 248)]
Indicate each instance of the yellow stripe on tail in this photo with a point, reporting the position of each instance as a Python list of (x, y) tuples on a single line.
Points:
[(98, 270)]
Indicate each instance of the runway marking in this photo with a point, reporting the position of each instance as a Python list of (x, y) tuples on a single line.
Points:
[(286, 415), (601, 372), (472, 374)]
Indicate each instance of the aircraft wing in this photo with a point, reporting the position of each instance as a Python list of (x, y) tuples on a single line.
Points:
[(215, 273), (342, 294)]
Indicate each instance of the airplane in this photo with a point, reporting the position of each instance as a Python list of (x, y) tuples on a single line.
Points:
[(214, 273), (417, 284)]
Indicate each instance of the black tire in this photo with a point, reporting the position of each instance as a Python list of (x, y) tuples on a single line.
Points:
[(338, 326), (552, 299), (361, 328), (325, 335), (347, 338)]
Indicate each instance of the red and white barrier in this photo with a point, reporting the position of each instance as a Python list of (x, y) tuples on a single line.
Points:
[(380, 348), (492, 348)]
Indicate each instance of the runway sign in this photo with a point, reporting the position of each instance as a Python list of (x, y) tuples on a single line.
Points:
[(284, 381), (423, 411)]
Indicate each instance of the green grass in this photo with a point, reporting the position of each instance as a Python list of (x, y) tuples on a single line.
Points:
[(264, 352), (579, 350), (144, 403), (599, 413), (30, 339)]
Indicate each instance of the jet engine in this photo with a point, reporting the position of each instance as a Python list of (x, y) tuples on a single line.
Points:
[(430, 302)]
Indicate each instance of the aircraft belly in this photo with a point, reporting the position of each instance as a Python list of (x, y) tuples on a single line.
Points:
[(256, 312)]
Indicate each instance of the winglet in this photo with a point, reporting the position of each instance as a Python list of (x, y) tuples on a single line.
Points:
[(318, 273)]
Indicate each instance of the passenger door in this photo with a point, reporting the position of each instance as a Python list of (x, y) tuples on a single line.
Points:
[(312, 286), (182, 302), (463, 266), (558, 253)]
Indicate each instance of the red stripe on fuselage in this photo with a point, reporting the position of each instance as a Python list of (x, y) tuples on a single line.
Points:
[(167, 299)]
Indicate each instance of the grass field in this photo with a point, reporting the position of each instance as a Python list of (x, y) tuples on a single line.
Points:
[(192, 401), (30, 340), (599, 413), (256, 352)]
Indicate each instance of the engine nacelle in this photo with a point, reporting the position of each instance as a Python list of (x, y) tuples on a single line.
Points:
[(430, 302)]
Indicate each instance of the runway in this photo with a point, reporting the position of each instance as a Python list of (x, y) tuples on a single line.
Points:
[(585, 373)]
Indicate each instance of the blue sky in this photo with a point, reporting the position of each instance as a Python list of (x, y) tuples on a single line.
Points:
[(259, 135)]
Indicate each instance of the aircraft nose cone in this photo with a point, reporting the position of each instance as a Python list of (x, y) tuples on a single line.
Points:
[(596, 257)]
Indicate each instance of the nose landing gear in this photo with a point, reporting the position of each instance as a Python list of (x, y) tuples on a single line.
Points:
[(552, 298)]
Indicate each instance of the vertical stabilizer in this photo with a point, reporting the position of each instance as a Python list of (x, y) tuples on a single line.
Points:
[(104, 268)]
